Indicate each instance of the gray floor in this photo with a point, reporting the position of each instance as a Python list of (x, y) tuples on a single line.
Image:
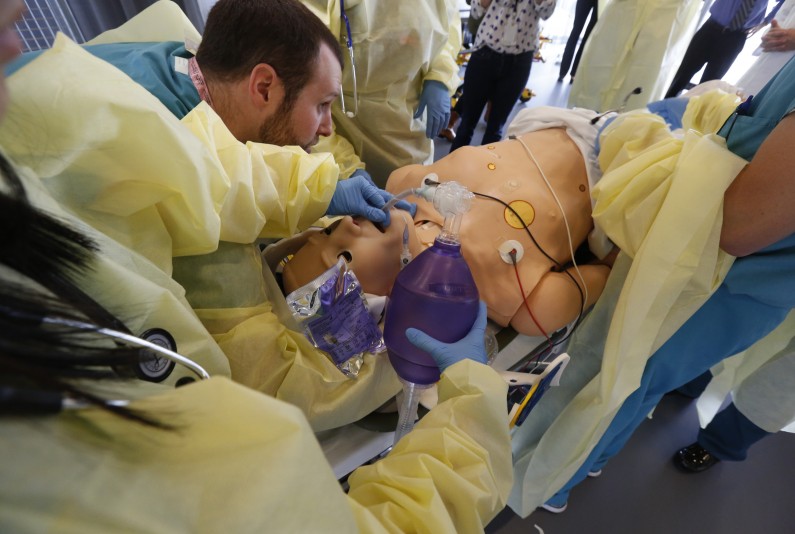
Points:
[(640, 490)]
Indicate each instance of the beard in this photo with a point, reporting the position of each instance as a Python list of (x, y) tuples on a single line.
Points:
[(278, 130)]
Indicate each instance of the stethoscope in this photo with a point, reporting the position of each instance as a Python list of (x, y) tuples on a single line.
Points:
[(349, 45), (157, 348), (46, 402)]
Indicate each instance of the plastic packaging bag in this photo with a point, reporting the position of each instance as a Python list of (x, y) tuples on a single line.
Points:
[(332, 312)]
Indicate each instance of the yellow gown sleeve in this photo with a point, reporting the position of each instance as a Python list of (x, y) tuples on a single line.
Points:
[(258, 470), (267, 356), (247, 315), (343, 151), (272, 191), (444, 67), (114, 155), (452, 472)]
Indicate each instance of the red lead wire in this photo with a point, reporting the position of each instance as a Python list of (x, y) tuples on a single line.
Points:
[(524, 300)]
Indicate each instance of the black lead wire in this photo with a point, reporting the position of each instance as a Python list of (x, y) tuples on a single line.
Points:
[(540, 249), (538, 246)]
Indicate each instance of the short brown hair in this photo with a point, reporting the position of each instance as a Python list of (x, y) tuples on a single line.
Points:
[(285, 34)]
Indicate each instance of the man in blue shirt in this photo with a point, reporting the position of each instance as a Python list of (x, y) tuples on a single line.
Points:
[(720, 39)]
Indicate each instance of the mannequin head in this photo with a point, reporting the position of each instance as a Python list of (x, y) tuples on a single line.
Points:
[(372, 252)]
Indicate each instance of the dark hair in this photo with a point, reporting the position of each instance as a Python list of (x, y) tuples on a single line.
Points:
[(41, 349), (241, 34)]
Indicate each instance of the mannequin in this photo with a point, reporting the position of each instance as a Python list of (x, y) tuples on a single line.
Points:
[(504, 170)]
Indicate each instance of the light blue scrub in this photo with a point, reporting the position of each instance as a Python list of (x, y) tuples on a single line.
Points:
[(149, 64), (755, 297)]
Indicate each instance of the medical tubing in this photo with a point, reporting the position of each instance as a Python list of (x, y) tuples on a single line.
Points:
[(407, 409), (526, 305), (397, 198), (427, 191), (546, 255), (562, 211)]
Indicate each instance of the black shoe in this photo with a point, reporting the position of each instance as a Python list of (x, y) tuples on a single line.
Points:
[(694, 458)]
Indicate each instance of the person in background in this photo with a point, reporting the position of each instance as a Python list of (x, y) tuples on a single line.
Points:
[(400, 73), (777, 47), (719, 41), (764, 397), (635, 44), (582, 11), (500, 63)]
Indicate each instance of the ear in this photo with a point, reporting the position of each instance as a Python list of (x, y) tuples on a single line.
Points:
[(265, 88)]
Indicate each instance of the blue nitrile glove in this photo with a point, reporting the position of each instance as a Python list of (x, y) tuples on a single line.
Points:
[(401, 204), (364, 174), (407, 206), (358, 196), (436, 98), (471, 346), (670, 109)]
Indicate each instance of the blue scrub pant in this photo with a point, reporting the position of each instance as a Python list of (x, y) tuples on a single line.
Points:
[(730, 434), (725, 325), (495, 77), (695, 387)]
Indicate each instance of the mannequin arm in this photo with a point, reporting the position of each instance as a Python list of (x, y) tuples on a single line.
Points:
[(555, 301)]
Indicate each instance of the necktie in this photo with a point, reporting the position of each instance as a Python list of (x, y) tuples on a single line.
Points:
[(741, 15)]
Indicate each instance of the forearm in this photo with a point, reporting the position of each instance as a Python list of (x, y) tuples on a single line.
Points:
[(758, 205)]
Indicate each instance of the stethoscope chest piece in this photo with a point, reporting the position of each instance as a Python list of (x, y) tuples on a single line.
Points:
[(151, 366)]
